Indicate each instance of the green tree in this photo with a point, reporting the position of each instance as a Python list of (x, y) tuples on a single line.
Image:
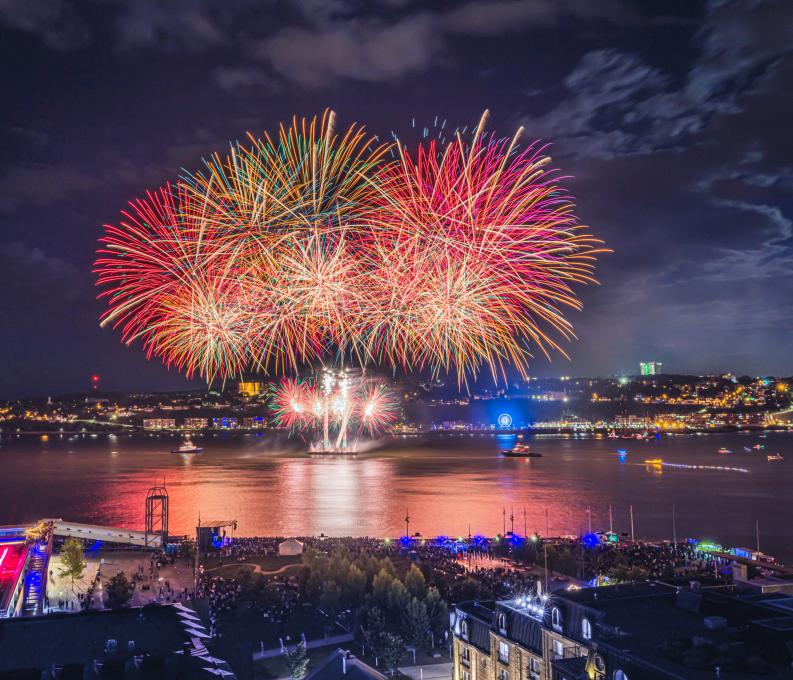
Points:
[(415, 582), (73, 562), (381, 587), (438, 613), (297, 661), (392, 647), (398, 599), (355, 586), (118, 591), (415, 623), (372, 627)]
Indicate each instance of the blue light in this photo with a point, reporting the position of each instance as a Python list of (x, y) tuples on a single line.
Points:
[(405, 540), (590, 540)]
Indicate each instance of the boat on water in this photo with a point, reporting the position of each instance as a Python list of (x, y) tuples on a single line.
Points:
[(724, 450), (776, 456), (654, 461), (521, 450), (747, 449), (187, 446), (758, 447)]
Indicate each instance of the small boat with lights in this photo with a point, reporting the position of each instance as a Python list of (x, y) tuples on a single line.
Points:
[(654, 461), (521, 450), (724, 449), (187, 446), (776, 456)]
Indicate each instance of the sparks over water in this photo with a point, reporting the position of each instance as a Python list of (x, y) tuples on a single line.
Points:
[(318, 245)]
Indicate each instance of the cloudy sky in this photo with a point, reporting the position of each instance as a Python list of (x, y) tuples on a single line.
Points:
[(672, 119)]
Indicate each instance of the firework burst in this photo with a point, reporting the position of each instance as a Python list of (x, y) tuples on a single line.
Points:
[(312, 245), (484, 250)]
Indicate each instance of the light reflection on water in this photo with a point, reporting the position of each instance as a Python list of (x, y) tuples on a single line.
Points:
[(272, 488)]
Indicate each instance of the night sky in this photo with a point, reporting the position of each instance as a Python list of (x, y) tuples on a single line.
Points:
[(673, 120)]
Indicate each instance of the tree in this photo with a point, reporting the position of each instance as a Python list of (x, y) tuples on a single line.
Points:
[(415, 582), (297, 661), (72, 560), (372, 627), (118, 591), (392, 647), (438, 614), (415, 624), (355, 586), (381, 586), (398, 599)]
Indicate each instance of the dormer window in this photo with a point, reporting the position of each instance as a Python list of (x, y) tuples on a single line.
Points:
[(502, 623), (556, 619), (464, 629), (586, 629)]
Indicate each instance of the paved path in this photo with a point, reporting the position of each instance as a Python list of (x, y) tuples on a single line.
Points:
[(435, 671), (257, 568)]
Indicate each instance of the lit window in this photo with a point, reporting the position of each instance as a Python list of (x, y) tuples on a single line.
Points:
[(465, 656), (556, 619), (503, 652), (502, 623), (619, 674), (586, 629), (535, 668), (557, 649), (464, 629), (503, 675)]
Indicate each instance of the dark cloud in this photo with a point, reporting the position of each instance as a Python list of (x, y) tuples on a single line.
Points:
[(54, 21), (41, 183), (618, 103)]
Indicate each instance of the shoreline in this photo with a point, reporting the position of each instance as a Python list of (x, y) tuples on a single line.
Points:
[(593, 433)]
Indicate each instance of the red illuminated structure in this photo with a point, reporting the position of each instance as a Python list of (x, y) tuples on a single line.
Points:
[(95, 382), (13, 556)]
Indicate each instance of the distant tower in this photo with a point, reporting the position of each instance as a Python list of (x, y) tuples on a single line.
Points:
[(156, 516), (95, 382)]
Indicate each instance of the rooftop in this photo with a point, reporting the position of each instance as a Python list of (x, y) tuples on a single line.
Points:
[(687, 633), (342, 665), (63, 639)]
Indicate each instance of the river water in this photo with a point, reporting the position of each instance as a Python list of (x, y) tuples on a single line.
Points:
[(447, 483)]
